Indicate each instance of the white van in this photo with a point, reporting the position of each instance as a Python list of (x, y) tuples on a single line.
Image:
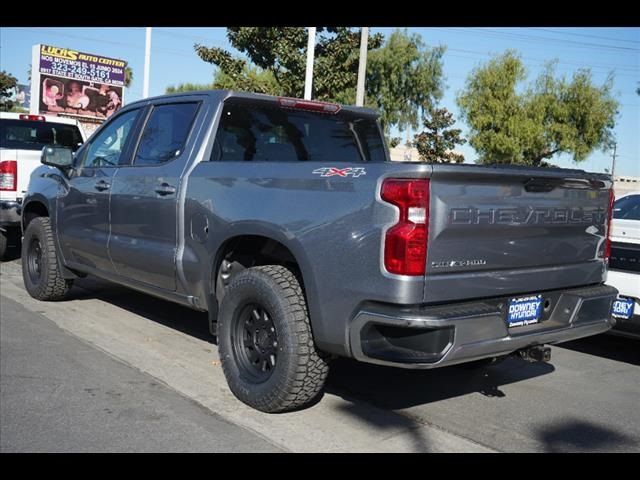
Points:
[(22, 137)]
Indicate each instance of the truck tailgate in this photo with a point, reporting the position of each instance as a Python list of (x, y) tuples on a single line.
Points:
[(508, 230), (27, 161)]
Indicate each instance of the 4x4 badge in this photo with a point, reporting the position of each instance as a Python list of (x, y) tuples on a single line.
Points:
[(340, 172)]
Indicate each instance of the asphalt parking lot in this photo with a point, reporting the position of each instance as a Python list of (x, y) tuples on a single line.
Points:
[(585, 400)]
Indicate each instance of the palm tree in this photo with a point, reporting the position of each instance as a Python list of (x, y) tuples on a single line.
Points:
[(128, 76)]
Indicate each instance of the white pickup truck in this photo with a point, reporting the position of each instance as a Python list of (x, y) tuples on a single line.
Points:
[(22, 137)]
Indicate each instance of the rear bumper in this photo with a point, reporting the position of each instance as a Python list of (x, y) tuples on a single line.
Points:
[(429, 337), (10, 213)]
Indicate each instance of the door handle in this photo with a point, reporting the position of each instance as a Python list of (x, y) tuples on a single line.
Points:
[(101, 185), (165, 189)]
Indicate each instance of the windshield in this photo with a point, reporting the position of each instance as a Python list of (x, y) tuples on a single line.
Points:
[(627, 208), (34, 135)]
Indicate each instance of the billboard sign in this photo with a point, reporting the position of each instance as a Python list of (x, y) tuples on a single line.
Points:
[(75, 84)]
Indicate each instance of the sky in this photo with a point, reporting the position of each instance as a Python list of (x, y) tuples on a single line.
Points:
[(174, 61)]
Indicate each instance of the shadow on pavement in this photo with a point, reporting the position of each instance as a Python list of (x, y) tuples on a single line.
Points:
[(616, 348), (353, 381), (390, 422), (13, 250), (408, 388), (579, 436), (195, 324), (169, 314)]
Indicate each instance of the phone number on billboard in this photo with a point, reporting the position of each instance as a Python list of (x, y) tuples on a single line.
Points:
[(90, 70)]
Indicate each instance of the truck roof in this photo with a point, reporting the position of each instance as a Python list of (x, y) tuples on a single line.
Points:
[(48, 118), (225, 94)]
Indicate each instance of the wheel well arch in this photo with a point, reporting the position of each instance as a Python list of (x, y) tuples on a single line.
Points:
[(244, 251), (32, 210)]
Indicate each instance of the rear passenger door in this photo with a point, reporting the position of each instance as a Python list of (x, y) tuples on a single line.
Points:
[(144, 197)]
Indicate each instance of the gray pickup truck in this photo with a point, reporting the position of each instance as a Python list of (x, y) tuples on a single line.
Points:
[(285, 220)]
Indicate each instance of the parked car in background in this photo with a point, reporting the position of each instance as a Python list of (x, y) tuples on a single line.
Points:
[(624, 266), (22, 137)]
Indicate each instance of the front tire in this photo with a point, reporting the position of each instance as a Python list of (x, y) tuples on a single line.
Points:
[(40, 268), (265, 341)]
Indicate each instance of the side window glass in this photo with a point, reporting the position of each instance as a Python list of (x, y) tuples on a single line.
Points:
[(106, 149), (165, 133), (627, 208)]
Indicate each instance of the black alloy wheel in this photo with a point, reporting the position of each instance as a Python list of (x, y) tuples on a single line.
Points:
[(34, 260), (255, 342)]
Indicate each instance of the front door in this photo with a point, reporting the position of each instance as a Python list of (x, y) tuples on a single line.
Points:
[(144, 198), (83, 213)]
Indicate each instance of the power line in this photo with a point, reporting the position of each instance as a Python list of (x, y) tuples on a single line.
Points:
[(542, 61), (165, 31), (538, 39), (584, 35), (189, 54), (182, 53)]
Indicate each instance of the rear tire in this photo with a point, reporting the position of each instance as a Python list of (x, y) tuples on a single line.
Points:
[(40, 269), (265, 341)]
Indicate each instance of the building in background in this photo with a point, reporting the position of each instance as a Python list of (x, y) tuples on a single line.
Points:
[(622, 185)]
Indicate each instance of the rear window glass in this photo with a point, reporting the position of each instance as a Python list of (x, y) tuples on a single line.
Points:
[(627, 208), (250, 132), (33, 135)]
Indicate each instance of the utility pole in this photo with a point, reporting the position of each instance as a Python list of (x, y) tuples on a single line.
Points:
[(311, 47), (613, 164), (362, 67), (147, 61)]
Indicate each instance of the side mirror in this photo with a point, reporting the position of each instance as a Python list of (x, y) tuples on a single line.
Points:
[(60, 157)]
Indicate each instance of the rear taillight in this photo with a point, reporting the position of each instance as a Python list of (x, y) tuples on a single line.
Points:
[(9, 175), (309, 105), (405, 243), (607, 242)]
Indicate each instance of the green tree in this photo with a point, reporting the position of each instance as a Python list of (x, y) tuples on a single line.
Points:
[(404, 77), (187, 87), (404, 80), (281, 51), (552, 115), (7, 83), (436, 143)]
